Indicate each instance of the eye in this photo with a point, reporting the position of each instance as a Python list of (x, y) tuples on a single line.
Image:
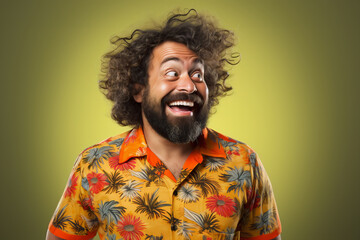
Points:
[(172, 74), (197, 76)]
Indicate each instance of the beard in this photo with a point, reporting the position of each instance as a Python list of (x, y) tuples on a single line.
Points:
[(183, 129)]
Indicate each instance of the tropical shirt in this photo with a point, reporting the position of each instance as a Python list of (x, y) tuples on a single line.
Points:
[(119, 189)]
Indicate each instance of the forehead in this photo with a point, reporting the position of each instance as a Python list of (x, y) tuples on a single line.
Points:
[(172, 49)]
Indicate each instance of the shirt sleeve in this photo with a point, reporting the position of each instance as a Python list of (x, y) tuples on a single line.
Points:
[(260, 218), (74, 217)]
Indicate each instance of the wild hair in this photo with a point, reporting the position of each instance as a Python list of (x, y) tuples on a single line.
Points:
[(126, 67)]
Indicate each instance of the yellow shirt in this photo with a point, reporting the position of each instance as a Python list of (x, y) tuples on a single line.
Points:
[(121, 190)]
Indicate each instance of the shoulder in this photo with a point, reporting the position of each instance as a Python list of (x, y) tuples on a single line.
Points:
[(97, 153), (114, 142), (233, 148)]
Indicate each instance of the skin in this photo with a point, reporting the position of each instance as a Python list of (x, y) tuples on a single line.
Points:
[(173, 68)]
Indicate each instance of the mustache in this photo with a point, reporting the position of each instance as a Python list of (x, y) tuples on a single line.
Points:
[(193, 97)]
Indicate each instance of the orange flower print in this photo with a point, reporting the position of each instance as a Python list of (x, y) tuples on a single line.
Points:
[(132, 136), (221, 204), (86, 203), (130, 227), (234, 152), (141, 151), (97, 181), (254, 200), (128, 165), (71, 187)]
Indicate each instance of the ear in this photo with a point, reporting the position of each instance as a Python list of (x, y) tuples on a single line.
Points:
[(138, 97)]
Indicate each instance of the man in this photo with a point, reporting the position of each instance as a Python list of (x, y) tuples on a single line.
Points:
[(170, 177)]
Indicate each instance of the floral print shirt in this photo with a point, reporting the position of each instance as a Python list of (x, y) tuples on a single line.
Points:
[(119, 189)]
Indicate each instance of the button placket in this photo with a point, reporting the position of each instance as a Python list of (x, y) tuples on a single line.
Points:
[(175, 207)]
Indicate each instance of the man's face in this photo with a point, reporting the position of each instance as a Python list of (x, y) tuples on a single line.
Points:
[(175, 101)]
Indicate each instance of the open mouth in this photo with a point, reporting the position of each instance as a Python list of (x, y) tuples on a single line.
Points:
[(182, 107)]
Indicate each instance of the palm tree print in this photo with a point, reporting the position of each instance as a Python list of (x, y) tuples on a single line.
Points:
[(60, 219), (252, 158), (130, 190), (238, 177), (231, 145), (91, 222), (188, 193), (184, 229), (184, 173), (142, 174), (238, 207), (253, 162), (114, 180), (150, 205), (206, 184), (148, 174), (206, 222), (85, 183), (110, 212), (133, 199), (265, 222), (78, 227), (160, 168), (96, 156), (78, 169), (110, 237), (214, 163), (117, 142), (172, 221), (266, 194), (152, 237), (229, 233)]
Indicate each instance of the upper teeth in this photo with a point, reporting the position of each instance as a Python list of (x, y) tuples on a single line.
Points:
[(182, 103)]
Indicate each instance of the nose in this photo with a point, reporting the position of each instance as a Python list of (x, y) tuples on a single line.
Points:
[(185, 84)]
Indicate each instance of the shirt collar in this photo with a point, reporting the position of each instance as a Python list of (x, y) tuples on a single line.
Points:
[(134, 145)]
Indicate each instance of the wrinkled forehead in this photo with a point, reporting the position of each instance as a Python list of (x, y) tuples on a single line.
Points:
[(171, 51)]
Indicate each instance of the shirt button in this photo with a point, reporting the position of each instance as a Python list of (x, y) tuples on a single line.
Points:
[(175, 193), (173, 227)]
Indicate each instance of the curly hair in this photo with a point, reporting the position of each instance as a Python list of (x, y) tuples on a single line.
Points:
[(126, 67)]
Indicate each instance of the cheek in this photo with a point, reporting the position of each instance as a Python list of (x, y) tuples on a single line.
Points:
[(163, 88), (203, 90)]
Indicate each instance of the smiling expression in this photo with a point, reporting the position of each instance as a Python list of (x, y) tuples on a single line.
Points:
[(175, 101), (176, 69)]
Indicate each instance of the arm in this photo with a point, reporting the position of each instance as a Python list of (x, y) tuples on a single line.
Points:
[(260, 212), (72, 207)]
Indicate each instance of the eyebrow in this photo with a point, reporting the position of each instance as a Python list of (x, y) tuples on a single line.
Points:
[(196, 61), (169, 59)]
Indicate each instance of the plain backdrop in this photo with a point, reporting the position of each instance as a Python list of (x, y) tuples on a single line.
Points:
[(295, 101)]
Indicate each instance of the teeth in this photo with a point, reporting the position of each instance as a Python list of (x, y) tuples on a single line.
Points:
[(182, 103)]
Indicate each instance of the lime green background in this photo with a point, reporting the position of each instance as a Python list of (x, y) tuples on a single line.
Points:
[(295, 101)]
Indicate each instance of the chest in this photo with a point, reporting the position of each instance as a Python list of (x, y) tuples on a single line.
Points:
[(146, 204)]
